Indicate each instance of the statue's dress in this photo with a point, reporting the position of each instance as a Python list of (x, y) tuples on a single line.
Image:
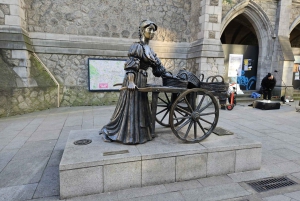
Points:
[(131, 120)]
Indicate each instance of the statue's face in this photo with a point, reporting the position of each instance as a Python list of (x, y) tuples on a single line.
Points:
[(149, 32)]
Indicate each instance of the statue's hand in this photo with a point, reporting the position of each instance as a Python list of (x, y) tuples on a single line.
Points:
[(131, 86), (167, 74)]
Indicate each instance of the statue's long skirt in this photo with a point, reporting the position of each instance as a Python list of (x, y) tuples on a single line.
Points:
[(131, 120)]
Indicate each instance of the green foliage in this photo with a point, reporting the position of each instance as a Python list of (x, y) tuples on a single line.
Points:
[(39, 74), (7, 75)]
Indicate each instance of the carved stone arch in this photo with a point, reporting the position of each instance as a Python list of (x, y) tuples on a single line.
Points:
[(262, 26), (294, 24), (248, 7)]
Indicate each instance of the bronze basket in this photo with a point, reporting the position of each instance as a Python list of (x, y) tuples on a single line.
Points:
[(174, 82), (214, 86), (193, 80)]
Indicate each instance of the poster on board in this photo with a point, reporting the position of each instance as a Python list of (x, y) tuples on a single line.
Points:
[(296, 68), (235, 65), (297, 76), (104, 73), (247, 64)]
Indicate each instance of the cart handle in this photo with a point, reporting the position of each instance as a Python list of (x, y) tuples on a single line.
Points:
[(201, 77), (186, 76), (214, 78)]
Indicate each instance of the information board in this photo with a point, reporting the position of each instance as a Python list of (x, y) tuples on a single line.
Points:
[(235, 65), (104, 73)]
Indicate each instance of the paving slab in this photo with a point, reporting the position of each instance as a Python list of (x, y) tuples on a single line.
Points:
[(216, 180), (219, 192), (55, 158), (174, 196), (73, 121), (287, 153), (250, 175), (183, 185), (5, 157), (28, 130), (49, 183), (141, 192), (277, 198), (52, 198), (35, 149), (97, 197), (16, 143), (22, 123), (17, 193), (268, 157), (9, 134), (295, 195), (19, 172), (282, 168), (40, 135)]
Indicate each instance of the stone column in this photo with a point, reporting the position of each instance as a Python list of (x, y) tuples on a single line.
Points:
[(15, 39), (208, 48), (283, 57)]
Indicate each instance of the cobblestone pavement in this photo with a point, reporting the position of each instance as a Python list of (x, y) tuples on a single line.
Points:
[(31, 147)]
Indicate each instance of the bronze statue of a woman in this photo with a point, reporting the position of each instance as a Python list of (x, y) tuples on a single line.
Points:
[(131, 120)]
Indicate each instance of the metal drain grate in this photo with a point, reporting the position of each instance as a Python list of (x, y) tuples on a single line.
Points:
[(272, 183)]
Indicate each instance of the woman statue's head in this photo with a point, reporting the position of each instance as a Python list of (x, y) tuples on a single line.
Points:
[(147, 29)]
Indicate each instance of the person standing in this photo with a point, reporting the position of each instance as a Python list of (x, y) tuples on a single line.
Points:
[(267, 84)]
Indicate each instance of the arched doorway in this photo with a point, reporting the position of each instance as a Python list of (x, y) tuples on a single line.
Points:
[(295, 43), (260, 25), (240, 46)]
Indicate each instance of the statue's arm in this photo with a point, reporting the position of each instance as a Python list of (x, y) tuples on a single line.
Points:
[(132, 64), (131, 85), (159, 70)]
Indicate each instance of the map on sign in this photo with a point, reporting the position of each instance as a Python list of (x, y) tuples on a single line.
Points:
[(103, 74)]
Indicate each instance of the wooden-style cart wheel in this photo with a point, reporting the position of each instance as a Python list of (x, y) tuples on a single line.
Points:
[(199, 115), (163, 109)]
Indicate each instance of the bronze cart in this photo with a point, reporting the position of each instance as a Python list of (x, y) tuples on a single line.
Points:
[(191, 112)]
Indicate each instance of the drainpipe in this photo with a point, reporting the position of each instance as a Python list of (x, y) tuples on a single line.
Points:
[(51, 75)]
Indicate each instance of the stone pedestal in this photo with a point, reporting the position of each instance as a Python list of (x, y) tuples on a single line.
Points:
[(104, 167)]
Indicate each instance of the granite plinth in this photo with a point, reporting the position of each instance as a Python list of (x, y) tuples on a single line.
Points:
[(104, 167)]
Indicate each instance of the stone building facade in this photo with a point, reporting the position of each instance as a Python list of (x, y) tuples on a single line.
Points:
[(45, 45)]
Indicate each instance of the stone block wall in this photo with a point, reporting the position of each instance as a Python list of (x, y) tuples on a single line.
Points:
[(72, 73), (270, 9), (12, 13), (295, 12), (4, 10), (15, 97), (268, 6), (90, 18), (8, 78), (16, 100), (80, 96), (72, 70)]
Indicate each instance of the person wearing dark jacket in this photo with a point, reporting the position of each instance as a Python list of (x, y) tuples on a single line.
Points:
[(267, 85)]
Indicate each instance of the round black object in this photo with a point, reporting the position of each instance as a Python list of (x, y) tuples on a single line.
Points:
[(82, 142)]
